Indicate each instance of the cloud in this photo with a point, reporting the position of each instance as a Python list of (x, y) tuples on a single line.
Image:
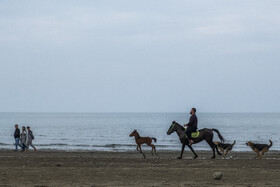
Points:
[(222, 25), (73, 25), (82, 25)]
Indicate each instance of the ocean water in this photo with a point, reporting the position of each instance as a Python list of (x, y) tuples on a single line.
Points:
[(110, 131)]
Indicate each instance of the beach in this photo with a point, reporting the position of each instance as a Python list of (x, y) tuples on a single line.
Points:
[(99, 168)]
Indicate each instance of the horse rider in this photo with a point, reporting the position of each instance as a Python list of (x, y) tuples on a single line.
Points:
[(192, 125)]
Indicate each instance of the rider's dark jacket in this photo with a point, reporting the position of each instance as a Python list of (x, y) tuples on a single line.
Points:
[(193, 122)]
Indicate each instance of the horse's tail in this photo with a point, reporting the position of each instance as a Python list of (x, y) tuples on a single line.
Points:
[(270, 144), (220, 136), (233, 143), (154, 139)]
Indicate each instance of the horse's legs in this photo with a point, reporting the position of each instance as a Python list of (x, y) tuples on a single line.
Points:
[(195, 155), (182, 151), (155, 151), (141, 151), (153, 148), (212, 145), (149, 144)]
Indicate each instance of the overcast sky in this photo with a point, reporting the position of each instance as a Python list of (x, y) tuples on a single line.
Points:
[(139, 56)]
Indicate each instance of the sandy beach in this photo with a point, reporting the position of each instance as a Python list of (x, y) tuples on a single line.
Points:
[(60, 168)]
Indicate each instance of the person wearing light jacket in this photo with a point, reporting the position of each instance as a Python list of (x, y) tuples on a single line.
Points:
[(23, 138)]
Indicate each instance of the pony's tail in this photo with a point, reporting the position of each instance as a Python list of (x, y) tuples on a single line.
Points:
[(233, 143), (220, 136), (154, 139), (270, 144)]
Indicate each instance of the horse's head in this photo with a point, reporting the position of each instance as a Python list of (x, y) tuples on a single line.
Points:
[(133, 133), (172, 128)]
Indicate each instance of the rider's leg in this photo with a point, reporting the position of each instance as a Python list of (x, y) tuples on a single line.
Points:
[(189, 133)]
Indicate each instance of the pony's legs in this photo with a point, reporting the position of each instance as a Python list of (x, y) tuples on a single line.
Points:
[(153, 148), (155, 151), (151, 145), (182, 151), (141, 151), (195, 155)]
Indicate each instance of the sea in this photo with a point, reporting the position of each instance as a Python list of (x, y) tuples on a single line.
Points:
[(110, 131)]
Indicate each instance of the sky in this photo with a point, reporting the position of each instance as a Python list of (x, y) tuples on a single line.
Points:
[(139, 56)]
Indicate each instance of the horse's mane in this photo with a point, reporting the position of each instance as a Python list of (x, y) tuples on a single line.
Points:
[(137, 135), (180, 126)]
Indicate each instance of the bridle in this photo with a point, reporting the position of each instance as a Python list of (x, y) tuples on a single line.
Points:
[(173, 125)]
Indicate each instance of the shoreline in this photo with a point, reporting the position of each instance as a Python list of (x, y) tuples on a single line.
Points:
[(132, 151), (166, 154)]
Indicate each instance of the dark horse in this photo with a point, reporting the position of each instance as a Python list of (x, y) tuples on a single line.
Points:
[(204, 134)]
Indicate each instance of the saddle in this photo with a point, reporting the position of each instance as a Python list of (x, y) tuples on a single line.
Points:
[(194, 134)]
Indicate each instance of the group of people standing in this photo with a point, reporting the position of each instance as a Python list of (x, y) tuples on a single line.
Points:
[(24, 138)]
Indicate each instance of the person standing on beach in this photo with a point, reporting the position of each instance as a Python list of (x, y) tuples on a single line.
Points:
[(17, 136), (30, 137), (192, 125), (23, 138)]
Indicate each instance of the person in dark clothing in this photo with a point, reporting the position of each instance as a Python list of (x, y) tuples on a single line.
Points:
[(17, 136), (192, 125), (30, 137)]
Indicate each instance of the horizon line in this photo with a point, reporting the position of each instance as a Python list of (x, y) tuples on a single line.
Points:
[(150, 112)]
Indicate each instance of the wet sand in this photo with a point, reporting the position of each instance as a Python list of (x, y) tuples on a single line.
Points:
[(59, 168)]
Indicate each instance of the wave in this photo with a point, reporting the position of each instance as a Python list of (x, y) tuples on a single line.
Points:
[(124, 145), (86, 145), (4, 144), (53, 144)]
